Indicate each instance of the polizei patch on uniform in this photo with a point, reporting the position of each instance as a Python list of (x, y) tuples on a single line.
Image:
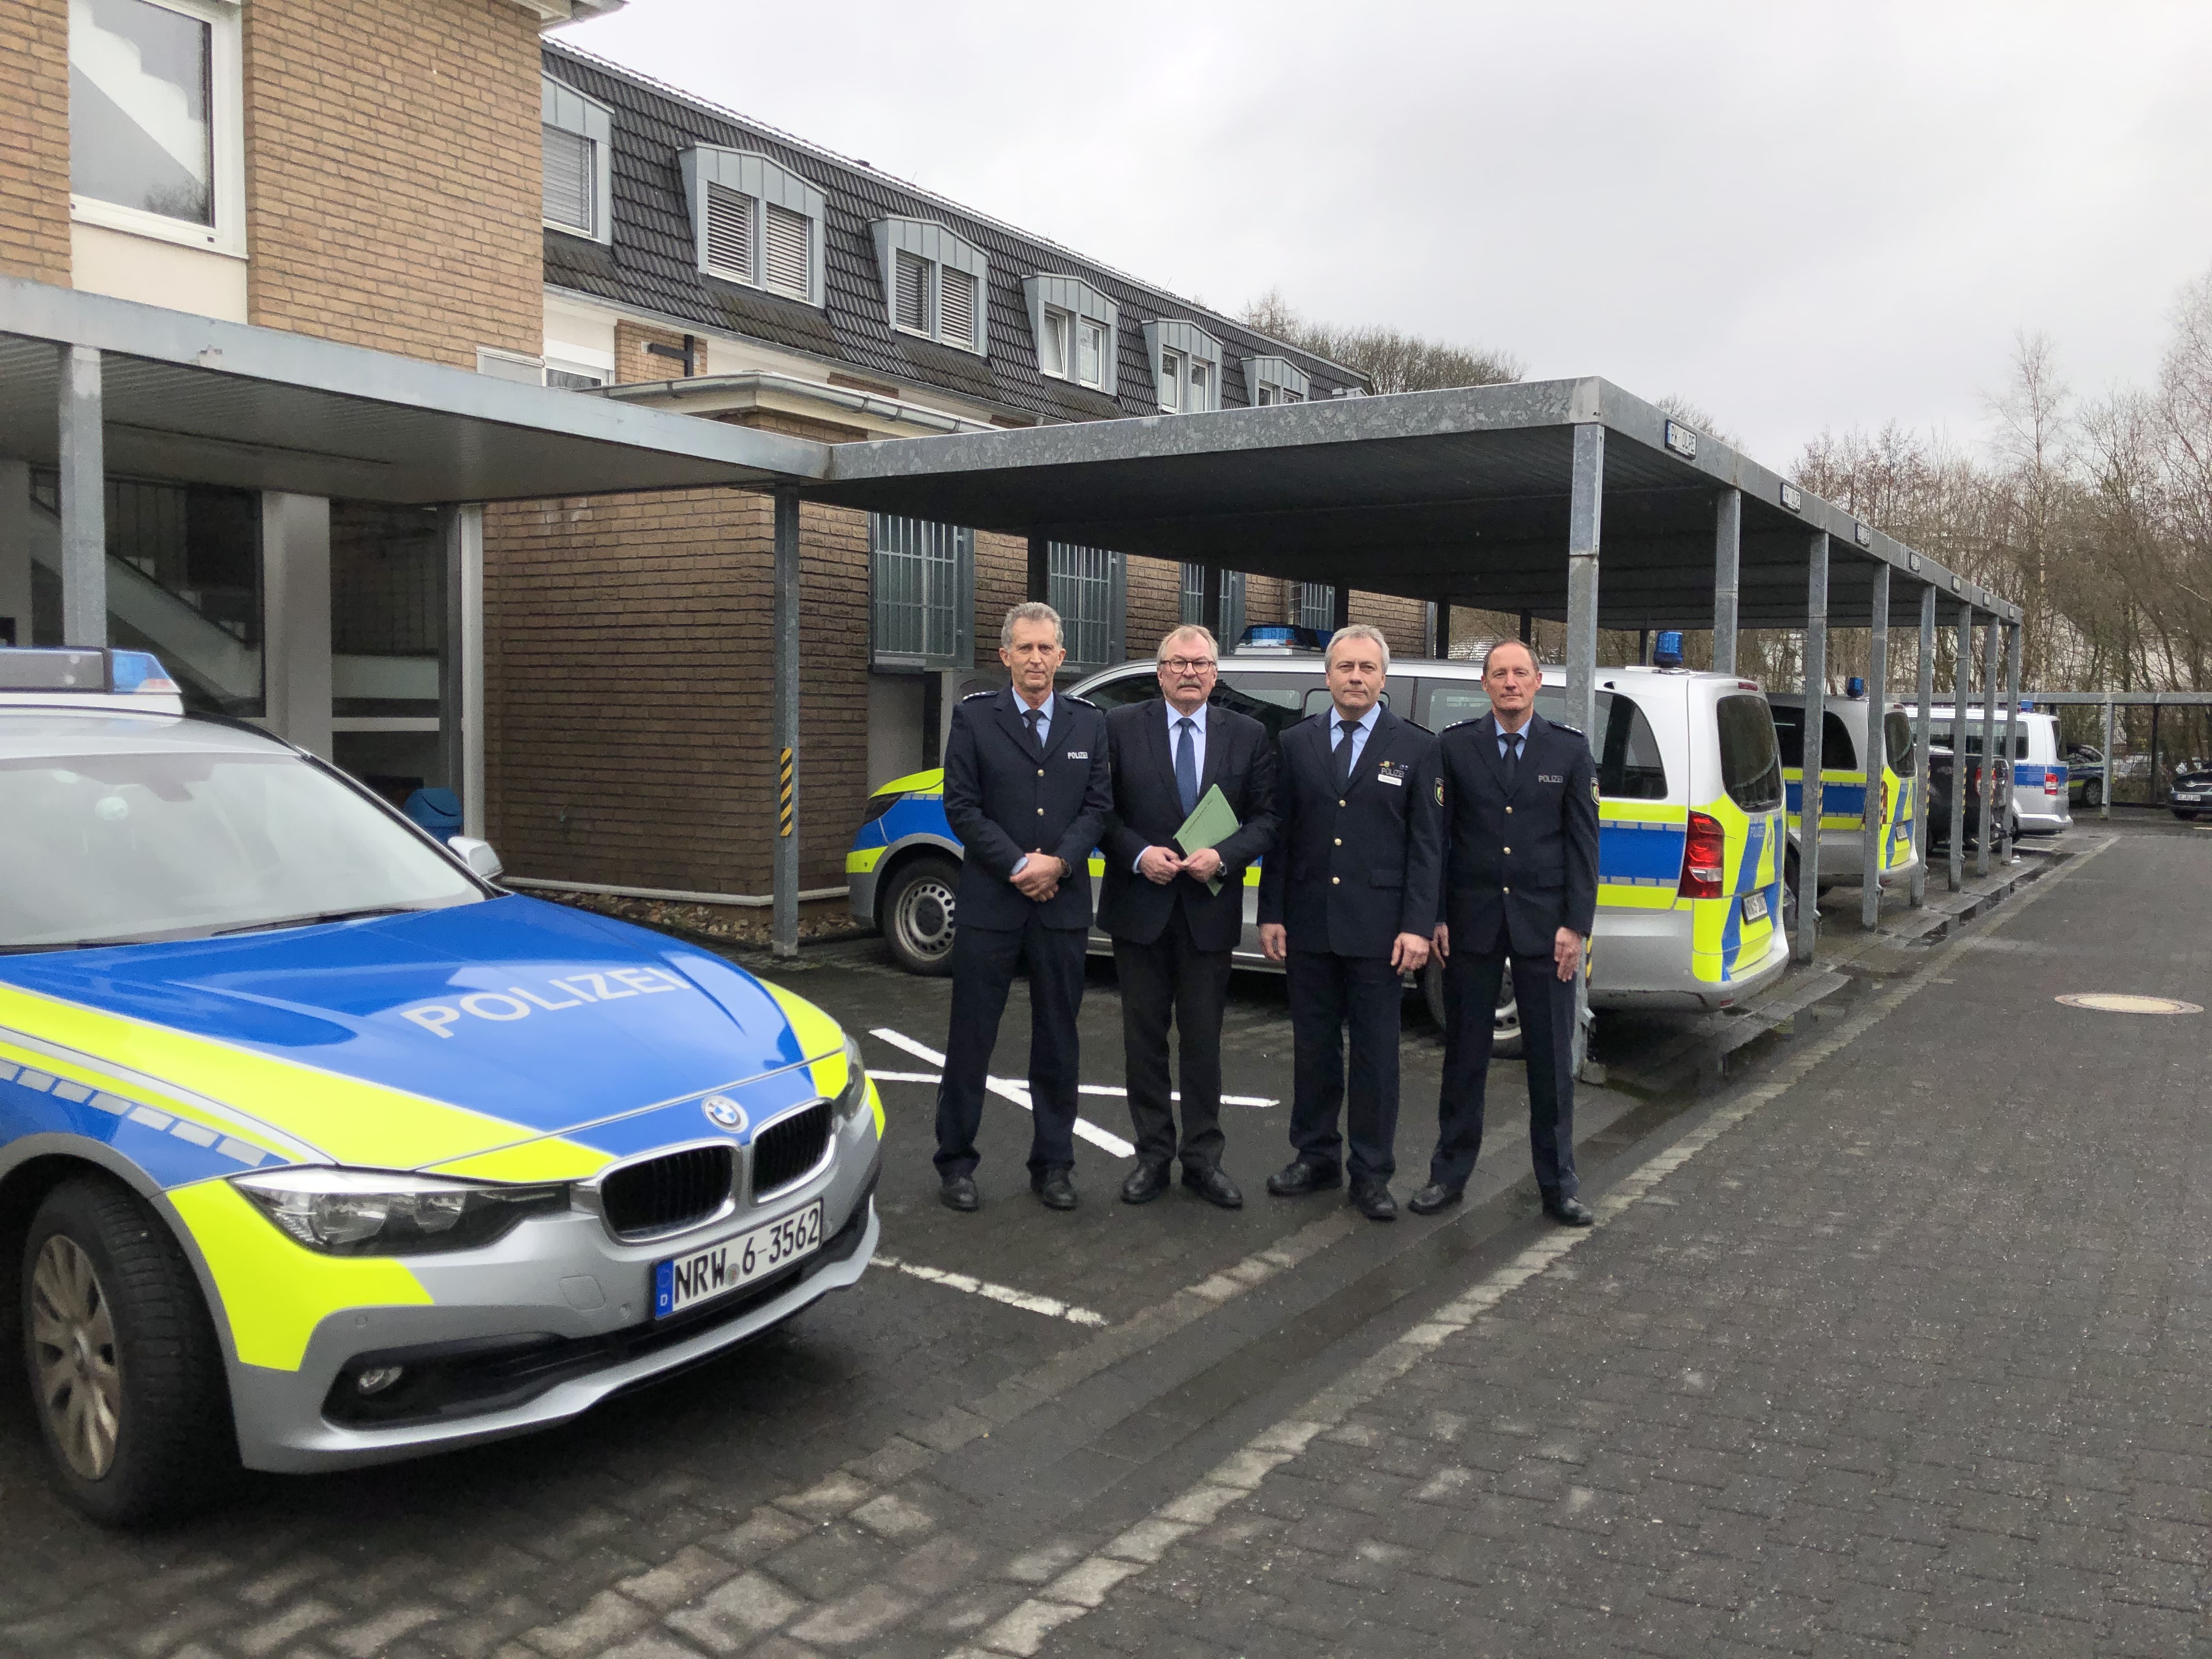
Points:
[(1390, 772), (1078, 754), (1550, 777), (1593, 794)]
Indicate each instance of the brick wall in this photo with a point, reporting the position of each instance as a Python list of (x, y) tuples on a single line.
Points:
[(634, 363), (1155, 604), (35, 161), (392, 174)]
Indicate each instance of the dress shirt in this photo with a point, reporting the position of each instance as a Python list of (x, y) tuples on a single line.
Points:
[(1044, 740), (1359, 732), (1505, 738), (1197, 749)]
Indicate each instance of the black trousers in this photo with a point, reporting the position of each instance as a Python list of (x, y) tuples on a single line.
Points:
[(983, 964), (1329, 993), (1172, 981), (1547, 1036)]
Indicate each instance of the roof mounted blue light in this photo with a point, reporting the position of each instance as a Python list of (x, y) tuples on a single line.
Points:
[(1855, 687), (1667, 649), (70, 671), (1282, 637)]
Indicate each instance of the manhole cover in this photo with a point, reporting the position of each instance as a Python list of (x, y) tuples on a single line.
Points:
[(2115, 1002)]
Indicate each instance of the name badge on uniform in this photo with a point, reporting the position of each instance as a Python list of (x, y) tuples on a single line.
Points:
[(1550, 777), (1078, 754), (1390, 772)]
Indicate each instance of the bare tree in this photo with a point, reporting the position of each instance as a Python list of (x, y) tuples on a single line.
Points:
[(1391, 359)]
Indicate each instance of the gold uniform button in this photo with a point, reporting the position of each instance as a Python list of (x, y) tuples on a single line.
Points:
[(1040, 812), (1340, 802), (1333, 880), (1505, 889), (1509, 851), (1040, 774), (1339, 841), (1509, 810)]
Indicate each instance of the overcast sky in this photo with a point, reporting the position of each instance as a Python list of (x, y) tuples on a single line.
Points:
[(1798, 215)]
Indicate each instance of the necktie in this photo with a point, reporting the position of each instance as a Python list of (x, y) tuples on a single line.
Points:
[(1036, 718), (1344, 753), (1186, 763), (1512, 759)]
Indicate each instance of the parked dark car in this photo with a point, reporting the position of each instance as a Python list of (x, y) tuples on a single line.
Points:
[(1941, 768), (2192, 792)]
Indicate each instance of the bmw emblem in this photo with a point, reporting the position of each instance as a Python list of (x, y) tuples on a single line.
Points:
[(723, 1112)]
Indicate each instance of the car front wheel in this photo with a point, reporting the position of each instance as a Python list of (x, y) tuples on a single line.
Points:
[(125, 1373), (917, 914)]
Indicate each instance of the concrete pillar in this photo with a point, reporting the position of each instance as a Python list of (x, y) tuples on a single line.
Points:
[(1876, 746), (461, 666), (1926, 687), (15, 552), (1728, 552), (2105, 787), (295, 619), (1585, 516), (784, 924), (83, 500), (1989, 792), (1816, 711), (1962, 698)]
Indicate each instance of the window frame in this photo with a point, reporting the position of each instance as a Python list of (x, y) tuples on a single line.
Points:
[(939, 249), (227, 147), (1082, 309), (1191, 598), (1192, 348), (761, 181), (563, 108), (962, 650), (1116, 577), (1278, 376)]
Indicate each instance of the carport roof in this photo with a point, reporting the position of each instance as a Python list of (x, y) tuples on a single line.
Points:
[(1460, 494), (190, 399)]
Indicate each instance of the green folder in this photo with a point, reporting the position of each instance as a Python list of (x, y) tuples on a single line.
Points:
[(1212, 822)]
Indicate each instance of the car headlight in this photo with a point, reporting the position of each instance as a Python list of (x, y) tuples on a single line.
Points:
[(384, 1212), (853, 1099)]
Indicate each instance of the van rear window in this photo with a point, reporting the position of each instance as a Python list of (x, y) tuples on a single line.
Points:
[(1939, 737), (1896, 734), (1630, 766), (1751, 761), (1838, 751)]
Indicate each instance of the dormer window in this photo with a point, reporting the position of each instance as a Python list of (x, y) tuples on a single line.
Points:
[(1186, 367), (756, 221), (933, 283), (576, 133), (1275, 380), (1075, 326)]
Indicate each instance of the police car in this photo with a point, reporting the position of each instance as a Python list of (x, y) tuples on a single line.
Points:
[(317, 1148), (1696, 897), (2041, 778), (1847, 781)]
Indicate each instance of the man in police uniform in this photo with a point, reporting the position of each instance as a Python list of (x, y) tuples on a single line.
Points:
[(1026, 789), (1347, 901), (1518, 796), (1175, 918)]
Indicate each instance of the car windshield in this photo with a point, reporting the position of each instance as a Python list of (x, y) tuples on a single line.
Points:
[(116, 847)]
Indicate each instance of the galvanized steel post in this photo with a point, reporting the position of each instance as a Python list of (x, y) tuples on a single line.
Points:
[(2105, 783), (1728, 549), (1926, 686), (2008, 817), (1962, 698), (1585, 514), (783, 933), (1876, 749), (83, 502), (1808, 789), (1989, 747)]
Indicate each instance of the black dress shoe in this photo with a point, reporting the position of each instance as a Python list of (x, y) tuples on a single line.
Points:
[(1146, 1183), (1569, 1212), (1433, 1197), (1372, 1199), (958, 1193), (1214, 1186), (1298, 1178), (1055, 1188)]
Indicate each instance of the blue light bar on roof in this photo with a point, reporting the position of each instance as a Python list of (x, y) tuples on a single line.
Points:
[(95, 674), (1284, 634)]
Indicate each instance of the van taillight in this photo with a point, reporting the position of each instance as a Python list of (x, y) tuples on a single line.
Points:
[(1705, 858)]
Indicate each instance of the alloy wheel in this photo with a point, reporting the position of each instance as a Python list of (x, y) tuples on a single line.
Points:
[(80, 1386)]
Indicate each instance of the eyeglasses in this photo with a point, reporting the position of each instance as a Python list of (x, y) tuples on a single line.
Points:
[(1188, 665)]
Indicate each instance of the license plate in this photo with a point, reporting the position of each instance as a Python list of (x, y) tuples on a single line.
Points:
[(1754, 907), (685, 1281)]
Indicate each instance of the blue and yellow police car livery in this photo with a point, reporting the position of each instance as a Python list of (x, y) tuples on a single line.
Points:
[(428, 1163), (1848, 777)]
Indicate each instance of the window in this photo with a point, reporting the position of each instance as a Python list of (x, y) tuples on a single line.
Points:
[(1186, 365), (576, 133), (1896, 736), (1088, 589), (1276, 701), (1838, 753), (1075, 325), (1317, 606), (1629, 766), (1751, 765), (156, 123), (756, 222), (1232, 602), (935, 284), (924, 593), (1939, 735), (1275, 380), (573, 377)]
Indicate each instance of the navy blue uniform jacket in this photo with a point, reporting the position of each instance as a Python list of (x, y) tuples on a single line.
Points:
[(1350, 873), (1004, 801), (1240, 760), (1518, 866)]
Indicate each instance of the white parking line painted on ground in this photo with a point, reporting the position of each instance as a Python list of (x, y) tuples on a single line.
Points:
[(903, 1076), (1008, 1088), (1049, 1307), (1113, 1090)]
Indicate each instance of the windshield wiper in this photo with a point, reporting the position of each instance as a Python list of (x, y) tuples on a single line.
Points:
[(73, 945), (319, 916)]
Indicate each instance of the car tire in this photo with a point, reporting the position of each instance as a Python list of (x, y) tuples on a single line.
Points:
[(1505, 1031), (918, 911), (2092, 794), (126, 1372)]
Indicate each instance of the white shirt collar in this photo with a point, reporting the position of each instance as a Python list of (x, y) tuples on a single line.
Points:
[(1174, 714), (1022, 708), (1366, 721)]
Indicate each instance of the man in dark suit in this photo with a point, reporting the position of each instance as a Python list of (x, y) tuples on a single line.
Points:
[(1519, 796), (1026, 790), (1172, 935), (1347, 901)]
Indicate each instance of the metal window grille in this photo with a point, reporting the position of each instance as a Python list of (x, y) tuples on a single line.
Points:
[(923, 575), (569, 177), (957, 300), (1085, 590), (729, 233), (1232, 603), (785, 241), (911, 295), (1317, 606)]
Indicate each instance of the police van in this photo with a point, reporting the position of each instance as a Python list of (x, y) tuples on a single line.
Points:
[(1696, 903), (2039, 772), (1847, 782), (317, 1148)]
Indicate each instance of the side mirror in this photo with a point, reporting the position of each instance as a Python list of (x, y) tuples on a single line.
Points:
[(477, 855)]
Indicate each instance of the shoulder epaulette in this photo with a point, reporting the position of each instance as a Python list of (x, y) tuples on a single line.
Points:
[(1085, 702), (1472, 719), (978, 696), (1571, 730)]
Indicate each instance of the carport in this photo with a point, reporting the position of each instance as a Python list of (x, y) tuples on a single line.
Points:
[(1570, 500)]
